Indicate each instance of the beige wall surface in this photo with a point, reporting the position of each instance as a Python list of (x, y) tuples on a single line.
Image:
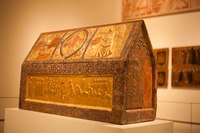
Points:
[(175, 31), (22, 21)]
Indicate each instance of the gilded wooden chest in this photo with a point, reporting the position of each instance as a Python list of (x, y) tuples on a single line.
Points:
[(103, 73)]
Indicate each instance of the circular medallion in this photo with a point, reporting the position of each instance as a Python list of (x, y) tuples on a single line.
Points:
[(73, 43)]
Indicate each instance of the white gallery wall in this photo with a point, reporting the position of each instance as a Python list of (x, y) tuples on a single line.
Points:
[(181, 105), (175, 31), (22, 21)]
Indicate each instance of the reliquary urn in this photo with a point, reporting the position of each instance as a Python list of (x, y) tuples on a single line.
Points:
[(103, 73)]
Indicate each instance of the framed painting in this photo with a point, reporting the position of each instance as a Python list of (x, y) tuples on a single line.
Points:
[(162, 58), (136, 9), (162, 77), (186, 67)]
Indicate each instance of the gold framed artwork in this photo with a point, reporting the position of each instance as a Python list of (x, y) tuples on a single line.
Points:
[(186, 67), (135, 9), (161, 58)]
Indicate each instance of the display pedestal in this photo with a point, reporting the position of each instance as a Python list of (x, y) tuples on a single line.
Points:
[(23, 121)]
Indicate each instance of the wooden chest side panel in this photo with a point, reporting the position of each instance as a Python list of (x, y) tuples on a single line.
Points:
[(112, 71)]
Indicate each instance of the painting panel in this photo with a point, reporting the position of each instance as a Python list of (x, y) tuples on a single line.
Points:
[(186, 67), (162, 77), (88, 43), (45, 46), (162, 58), (135, 9)]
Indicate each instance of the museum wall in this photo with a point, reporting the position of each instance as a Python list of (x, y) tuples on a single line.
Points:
[(22, 22), (175, 31), (182, 104)]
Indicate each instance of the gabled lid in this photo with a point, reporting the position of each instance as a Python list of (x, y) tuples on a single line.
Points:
[(100, 42)]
